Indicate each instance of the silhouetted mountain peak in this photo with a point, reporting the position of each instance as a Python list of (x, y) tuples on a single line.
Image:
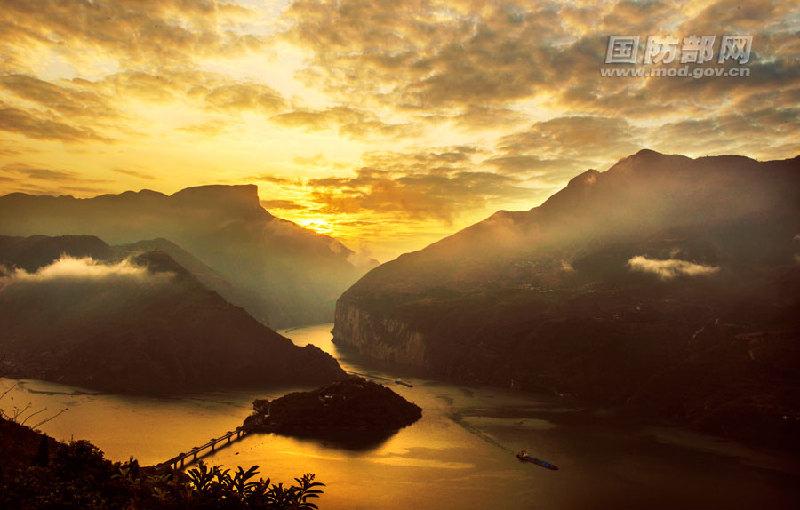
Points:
[(242, 197), (647, 160), (141, 193), (31, 253), (223, 201), (588, 177), (103, 326), (647, 153), (666, 284), (158, 261), (279, 271)]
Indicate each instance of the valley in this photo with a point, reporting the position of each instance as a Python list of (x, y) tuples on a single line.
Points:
[(461, 453)]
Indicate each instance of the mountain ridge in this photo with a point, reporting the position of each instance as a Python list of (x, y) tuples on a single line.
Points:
[(288, 275), (630, 281), (135, 323)]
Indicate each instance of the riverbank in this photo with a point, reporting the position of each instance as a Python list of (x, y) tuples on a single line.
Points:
[(459, 454)]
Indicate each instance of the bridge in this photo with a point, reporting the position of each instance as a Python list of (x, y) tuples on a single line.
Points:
[(185, 459)]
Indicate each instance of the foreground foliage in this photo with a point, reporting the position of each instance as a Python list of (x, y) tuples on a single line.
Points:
[(76, 475)]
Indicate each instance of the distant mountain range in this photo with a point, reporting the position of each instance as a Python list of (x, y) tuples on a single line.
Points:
[(666, 285), (284, 275), (133, 319)]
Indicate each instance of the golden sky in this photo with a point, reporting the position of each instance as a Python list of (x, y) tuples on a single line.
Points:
[(387, 124)]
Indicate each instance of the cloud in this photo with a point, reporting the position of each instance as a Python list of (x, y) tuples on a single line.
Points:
[(43, 127), (69, 110), (667, 269), (135, 173), (71, 268), (136, 31), (575, 136), (208, 128), (441, 195), (274, 179), (435, 183), (218, 93), (516, 84), (424, 55), (32, 172), (527, 163), (314, 160), (9, 151), (36, 179), (244, 96), (286, 205), (558, 148), (81, 109), (734, 133), (346, 120), (479, 64), (476, 117), (66, 98)]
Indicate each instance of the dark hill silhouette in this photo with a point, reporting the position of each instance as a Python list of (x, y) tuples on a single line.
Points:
[(281, 273), (665, 285), (143, 324), (205, 274), (31, 253), (353, 413)]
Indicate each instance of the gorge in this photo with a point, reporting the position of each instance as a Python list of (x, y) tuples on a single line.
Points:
[(657, 286)]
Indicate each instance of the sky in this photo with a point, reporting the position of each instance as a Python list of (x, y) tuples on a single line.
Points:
[(387, 124)]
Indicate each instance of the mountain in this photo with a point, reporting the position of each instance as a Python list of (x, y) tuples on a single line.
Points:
[(204, 274), (665, 286), (77, 311), (31, 253), (281, 273)]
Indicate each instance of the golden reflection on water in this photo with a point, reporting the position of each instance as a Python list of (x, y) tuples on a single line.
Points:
[(459, 455)]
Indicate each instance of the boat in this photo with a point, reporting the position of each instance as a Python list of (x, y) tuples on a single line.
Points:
[(523, 456), (403, 383)]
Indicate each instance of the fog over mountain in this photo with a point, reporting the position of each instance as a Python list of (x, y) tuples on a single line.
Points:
[(77, 311), (281, 273), (666, 284)]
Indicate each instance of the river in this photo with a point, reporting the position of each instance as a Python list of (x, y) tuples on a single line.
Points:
[(458, 456)]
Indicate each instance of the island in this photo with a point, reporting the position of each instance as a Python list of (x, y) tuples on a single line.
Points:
[(353, 413)]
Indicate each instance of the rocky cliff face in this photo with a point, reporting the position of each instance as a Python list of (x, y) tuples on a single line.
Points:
[(666, 285), (380, 337)]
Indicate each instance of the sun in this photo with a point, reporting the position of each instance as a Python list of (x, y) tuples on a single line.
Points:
[(318, 225)]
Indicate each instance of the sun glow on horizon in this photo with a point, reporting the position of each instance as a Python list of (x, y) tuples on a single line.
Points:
[(458, 111), (318, 225)]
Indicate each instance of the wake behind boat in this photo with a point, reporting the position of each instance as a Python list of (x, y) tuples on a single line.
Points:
[(523, 456)]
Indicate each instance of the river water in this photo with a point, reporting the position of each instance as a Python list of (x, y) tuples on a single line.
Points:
[(458, 456)]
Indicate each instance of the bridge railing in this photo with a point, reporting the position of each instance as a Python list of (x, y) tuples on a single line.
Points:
[(184, 459)]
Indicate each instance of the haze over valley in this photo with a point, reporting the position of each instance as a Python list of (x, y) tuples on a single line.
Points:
[(347, 254)]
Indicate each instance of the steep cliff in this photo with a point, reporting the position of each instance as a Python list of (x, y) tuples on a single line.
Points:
[(379, 336)]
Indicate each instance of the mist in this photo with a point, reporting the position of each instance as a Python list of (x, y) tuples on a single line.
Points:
[(67, 268), (667, 269)]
